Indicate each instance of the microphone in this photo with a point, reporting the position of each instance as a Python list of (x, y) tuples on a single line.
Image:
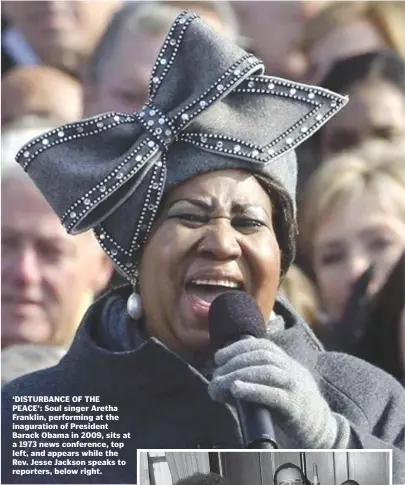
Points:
[(234, 316)]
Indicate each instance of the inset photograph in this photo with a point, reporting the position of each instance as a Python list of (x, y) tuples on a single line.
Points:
[(264, 468)]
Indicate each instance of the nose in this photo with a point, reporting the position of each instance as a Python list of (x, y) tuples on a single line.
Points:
[(358, 264), (24, 267), (220, 241)]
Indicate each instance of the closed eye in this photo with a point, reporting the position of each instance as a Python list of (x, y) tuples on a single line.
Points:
[(333, 257), (246, 223), (195, 219)]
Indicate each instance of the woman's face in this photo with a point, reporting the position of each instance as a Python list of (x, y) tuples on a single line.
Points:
[(214, 234), (356, 233), (376, 110)]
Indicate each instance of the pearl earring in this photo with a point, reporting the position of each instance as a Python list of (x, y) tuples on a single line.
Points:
[(134, 306)]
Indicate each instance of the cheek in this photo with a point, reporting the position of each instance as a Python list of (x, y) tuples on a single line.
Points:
[(163, 256), (265, 256), (65, 281), (326, 277), (384, 265), (332, 287)]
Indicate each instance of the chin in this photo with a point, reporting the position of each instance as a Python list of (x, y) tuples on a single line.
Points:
[(194, 341)]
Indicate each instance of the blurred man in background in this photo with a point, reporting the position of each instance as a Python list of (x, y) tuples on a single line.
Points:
[(61, 34), (274, 30), (48, 277), (117, 75)]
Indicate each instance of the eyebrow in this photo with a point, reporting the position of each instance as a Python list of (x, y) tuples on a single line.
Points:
[(15, 233), (368, 232), (198, 203), (375, 231), (209, 206)]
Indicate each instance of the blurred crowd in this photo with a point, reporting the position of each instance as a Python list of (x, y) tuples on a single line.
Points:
[(65, 60)]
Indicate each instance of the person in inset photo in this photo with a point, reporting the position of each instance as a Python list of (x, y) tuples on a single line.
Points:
[(290, 474)]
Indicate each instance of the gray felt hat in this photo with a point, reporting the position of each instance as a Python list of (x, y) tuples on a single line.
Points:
[(209, 108)]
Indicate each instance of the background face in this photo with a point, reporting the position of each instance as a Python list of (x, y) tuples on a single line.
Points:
[(61, 32), (376, 110), (346, 243), (275, 29), (48, 277), (123, 85)]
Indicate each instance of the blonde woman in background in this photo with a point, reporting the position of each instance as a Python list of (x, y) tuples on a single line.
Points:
[(353, 217)]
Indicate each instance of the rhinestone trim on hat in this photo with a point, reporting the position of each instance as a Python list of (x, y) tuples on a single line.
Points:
[(226, 83), (169, 51), (233, 76), (157, 124), (71, 131), (225, 145), (324, 105), (127, 260), (101, 191)]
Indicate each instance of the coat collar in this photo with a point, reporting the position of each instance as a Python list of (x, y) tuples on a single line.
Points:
[(153, 362)]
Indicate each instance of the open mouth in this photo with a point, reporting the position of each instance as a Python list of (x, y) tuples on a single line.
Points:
[(202, 292)]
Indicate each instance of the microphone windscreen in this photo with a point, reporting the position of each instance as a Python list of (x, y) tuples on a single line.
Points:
[(232, 315)]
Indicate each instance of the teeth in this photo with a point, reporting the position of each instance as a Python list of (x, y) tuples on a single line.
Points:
[(227, 283)]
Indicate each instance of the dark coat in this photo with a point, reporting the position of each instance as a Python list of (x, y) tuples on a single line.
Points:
[(163, 402)]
